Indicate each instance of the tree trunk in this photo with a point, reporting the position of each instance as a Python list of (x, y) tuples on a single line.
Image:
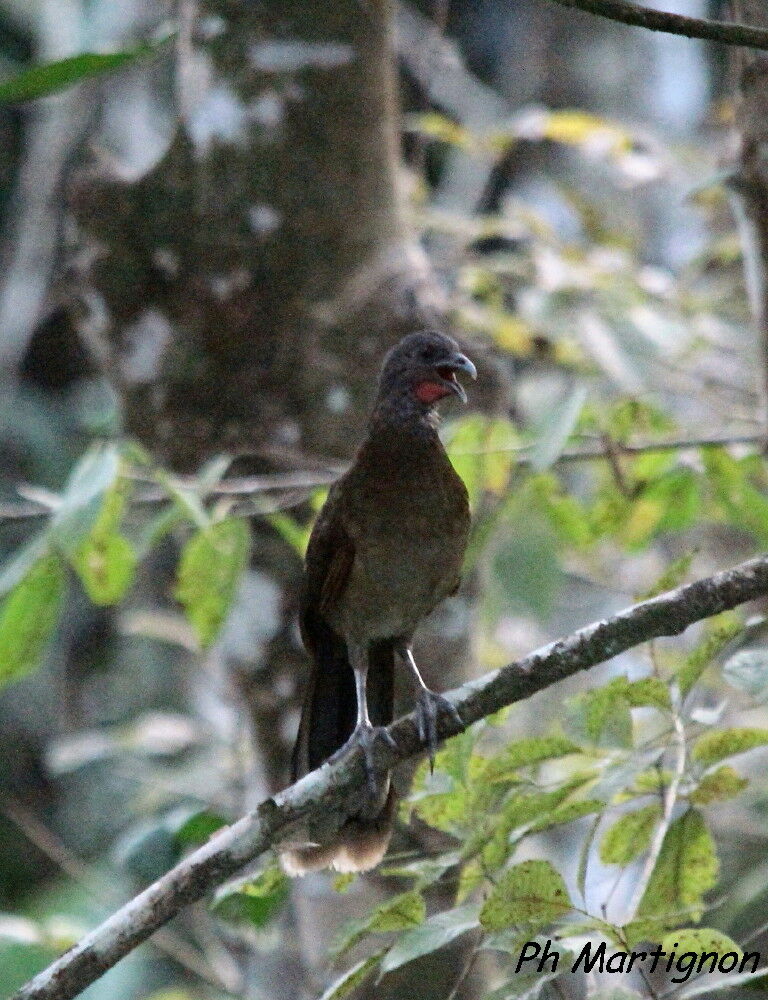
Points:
[(749, 184), (249, 284)]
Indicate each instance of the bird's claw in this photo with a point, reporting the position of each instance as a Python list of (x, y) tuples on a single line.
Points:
[(366, 737), (428, 708)]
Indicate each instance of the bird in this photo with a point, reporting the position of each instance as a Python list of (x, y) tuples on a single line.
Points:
[(387, 547)]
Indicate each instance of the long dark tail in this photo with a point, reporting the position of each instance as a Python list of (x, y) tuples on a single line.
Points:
[(327, 720)]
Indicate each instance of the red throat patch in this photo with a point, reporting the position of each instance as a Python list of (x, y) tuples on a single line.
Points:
[(430, 392)]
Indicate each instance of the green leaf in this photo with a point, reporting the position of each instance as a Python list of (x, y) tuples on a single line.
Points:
[(555, 429), (723, 783), (569, 518), (568, 813), (252, 900), (699, 940), (106, 566), (21, 959), (52, 77), (437, 932), (28, 617), (630, 836), (105, 561), (648, 692), (21, 562), (671, 503), (530, 893), (470, 878), (199, 827), (291, 531), (481, 451), (352, 978), (687, 868), (398, 914), (524, 753), (210, 569), (519, 811), (603, 714), (528, 986), (721, 630), (747, 671), (526, 572), (584, 855), (719, 744), (342, 882), (83, 497)]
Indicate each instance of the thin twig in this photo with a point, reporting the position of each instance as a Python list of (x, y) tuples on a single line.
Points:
[(297, 485), (466, 968), (674, 24), (670, 798), (320, 802)]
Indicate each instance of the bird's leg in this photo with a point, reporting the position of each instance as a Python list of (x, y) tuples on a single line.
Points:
[(429, 705), (365, 734)]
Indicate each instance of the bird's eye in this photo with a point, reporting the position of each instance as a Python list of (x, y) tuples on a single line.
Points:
[(428, 354)]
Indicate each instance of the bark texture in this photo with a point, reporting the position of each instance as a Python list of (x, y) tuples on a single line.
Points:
[(750, 180), (267, 249)]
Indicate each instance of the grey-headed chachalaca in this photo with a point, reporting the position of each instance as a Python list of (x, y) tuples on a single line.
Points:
[(387, 547)]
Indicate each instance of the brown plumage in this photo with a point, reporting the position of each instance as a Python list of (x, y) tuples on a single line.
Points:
[(387, 547)]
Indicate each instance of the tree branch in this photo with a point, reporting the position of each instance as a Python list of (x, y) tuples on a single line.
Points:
[(321, 801), (673, 24)]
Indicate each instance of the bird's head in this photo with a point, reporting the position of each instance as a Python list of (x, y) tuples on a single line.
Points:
[(422, 367)]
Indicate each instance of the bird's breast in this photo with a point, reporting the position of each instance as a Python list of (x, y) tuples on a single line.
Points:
[(409, 546)]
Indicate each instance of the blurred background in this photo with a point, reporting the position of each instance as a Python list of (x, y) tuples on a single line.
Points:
[(210, 250)]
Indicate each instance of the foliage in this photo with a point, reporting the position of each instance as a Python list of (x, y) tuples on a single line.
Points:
[(495, 799), (49, 78), (592, 479)]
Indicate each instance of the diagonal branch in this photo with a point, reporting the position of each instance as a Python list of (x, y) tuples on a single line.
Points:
[(323, 799), (674, 24)]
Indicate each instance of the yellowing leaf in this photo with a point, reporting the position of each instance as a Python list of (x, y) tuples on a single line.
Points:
[(513, 334), (578, 128), (211, 565), (687, 868), (700, 940), (405, 910), (530, 893), (723, 743), (435, 933), (481, 451), (629, 836), (437, 126), (724, 783), (104, 560), (524, 753)]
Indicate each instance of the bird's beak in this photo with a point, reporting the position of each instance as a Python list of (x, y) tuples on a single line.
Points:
[(447, 372)]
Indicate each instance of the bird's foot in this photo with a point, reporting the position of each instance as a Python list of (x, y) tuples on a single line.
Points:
[(429, 705), (367, 738)]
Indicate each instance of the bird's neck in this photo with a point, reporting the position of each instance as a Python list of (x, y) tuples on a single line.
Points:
[(400, 416)]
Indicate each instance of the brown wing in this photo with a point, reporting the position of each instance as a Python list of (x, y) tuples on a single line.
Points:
[(329, 711), (328, 563)]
